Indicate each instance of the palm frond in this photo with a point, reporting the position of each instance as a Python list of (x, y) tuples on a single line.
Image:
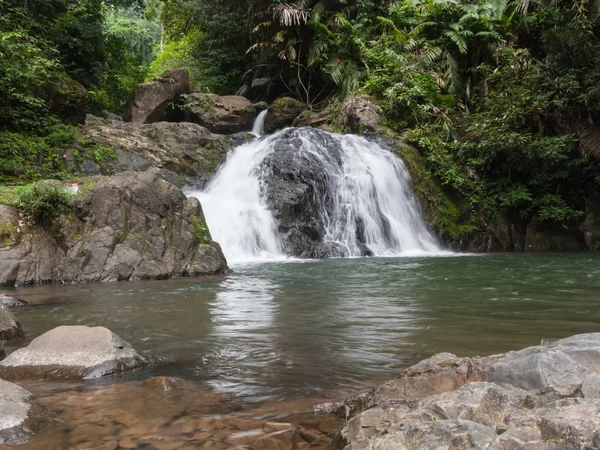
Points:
[(290, 15), (589, 142)]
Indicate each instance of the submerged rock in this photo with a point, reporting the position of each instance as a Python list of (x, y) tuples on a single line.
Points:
[(156, 100), (11, 301), (130, 226), (529, 398), (9, 327), (72, 352), (21, 415), (224, 115)]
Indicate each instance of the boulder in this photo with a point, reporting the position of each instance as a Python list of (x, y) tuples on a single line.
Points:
[(224, 115), (561, 365), (21, 415), (359, 115), (282, 113), (9, 327), (127, 227), (158, 100), (67, 99), (590, 388), (177, 152), (261, 106), (71, 353), (441, 435), (531, 397)]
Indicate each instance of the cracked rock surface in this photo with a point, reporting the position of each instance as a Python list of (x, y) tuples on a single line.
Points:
[(545, 397), (129, 226)]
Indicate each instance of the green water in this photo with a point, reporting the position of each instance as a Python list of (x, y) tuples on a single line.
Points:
[(286, 329)]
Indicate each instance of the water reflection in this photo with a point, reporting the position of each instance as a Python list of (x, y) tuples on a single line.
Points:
[(281, 330), (243, 337)]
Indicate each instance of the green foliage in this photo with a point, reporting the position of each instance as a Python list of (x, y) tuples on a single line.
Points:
[(200, 229), (208, 38), (25, 67), (29, 156), (41, 203), (26, 157)]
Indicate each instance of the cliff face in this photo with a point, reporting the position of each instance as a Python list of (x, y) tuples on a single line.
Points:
[(125, 227)]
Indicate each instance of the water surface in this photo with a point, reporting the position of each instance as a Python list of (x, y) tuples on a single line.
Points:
[(312, 328)]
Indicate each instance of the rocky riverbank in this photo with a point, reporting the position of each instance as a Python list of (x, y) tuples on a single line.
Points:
[(544, 398)]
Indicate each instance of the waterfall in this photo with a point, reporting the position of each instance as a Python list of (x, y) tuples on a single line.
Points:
[(259, 124), (235, 207), (357, 192)]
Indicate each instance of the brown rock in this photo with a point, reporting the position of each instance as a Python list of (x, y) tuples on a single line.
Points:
[(268, 443), (154, 101)]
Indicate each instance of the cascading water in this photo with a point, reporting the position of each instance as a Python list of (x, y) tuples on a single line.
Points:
[(259, 124), (235, 207), (357, 195)]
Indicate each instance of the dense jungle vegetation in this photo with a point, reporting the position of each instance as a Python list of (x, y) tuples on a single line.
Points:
[(502, 98)]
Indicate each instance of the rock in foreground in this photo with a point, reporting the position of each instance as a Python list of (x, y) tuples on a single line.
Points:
[(20, 414), (130, 226), (71, 353), (543, 398), (9, 327)]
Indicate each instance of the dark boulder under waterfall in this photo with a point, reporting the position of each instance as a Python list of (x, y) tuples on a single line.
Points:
[(308, 193)]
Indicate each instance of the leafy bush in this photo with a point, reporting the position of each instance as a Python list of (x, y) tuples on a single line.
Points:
[(42, 203)]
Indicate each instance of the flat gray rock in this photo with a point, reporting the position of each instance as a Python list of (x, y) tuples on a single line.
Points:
[(20, 414), (9, 326), (72, 352)]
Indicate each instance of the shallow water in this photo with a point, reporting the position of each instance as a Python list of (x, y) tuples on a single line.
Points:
[(295, 329)]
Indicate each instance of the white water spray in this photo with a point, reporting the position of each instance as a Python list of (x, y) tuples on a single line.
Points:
[(369, 202), (235, 208)]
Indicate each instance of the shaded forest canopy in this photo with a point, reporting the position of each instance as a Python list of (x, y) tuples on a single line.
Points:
[(502, 98)]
